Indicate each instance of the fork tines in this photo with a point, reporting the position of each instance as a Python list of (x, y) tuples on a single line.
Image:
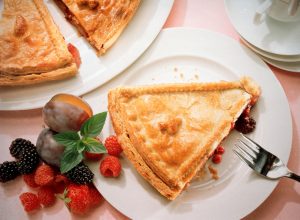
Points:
[(245, 151)]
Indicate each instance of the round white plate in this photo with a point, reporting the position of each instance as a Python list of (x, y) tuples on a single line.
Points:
[(94, 71), (194, 55), (271, 35), (288, 66), (283, 58)]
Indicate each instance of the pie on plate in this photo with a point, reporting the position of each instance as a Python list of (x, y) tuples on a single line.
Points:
[(100, 21), (32, 48), (168, 131)]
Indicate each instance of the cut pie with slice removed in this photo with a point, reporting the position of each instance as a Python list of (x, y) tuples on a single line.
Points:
[(100, 21), (32, 50), (168, 131)]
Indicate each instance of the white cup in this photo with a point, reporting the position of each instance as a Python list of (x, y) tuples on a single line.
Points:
[(281, 10)]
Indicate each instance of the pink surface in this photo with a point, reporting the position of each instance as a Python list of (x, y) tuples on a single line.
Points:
[(283, 203)]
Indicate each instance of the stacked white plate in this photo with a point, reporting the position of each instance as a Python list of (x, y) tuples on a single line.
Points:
[(276, 42)]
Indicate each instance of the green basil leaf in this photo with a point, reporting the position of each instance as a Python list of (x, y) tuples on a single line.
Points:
[(80, 147), (68, 138), (93, 126), (93, 146), (70, 158)]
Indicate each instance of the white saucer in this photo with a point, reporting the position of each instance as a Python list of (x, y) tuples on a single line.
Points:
[(282, 58), (273, 36), (288, 66)]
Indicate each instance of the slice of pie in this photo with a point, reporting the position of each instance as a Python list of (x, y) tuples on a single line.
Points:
[(32, 48), (168, 131), (100, 21)]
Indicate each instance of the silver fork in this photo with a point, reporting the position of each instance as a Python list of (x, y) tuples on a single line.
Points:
[(261, 160)]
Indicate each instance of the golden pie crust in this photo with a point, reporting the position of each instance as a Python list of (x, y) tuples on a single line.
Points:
[(100, 21), (168, 131), (32, 50)]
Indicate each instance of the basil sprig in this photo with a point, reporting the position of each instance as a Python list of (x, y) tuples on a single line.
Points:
[(76, 144)]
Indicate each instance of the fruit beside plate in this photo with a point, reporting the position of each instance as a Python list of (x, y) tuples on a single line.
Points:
[(55, 167)]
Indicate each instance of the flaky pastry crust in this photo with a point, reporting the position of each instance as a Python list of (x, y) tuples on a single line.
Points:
[(168, 131), (103, 22), (32, 48)]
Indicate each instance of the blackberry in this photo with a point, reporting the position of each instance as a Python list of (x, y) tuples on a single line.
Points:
[(80, 174), (245, 125), (29, 160), (18, 145), (8, 171)]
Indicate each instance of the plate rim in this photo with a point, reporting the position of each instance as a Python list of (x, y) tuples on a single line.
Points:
[(35, 103), (273, 184), (259, 45)]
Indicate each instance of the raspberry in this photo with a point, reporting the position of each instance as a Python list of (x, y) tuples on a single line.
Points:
[(94, 196), (110, 166), (60, 183), (29, 180), (29, 201), (75, 53), (112, 146), (217, 158), (220, 150), (46, 196), (92, 156), (77, 198), (44, 175)]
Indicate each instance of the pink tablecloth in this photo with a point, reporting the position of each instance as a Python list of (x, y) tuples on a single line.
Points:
[(283, 203)]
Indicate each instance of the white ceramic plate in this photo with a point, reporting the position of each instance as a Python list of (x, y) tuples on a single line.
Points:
[(288, 66), (271, 35), (94, 71), (282, 58), (194, 55)]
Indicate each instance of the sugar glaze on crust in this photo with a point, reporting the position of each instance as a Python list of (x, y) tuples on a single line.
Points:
[(32, 48), (168, 131), (100, 22)]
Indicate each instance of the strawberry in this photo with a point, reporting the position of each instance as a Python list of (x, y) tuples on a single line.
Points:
[(29, 180), (29, 201), (46, 196), (77, 198), (112, 146), (94, 196), (44, 175), (110, 166)]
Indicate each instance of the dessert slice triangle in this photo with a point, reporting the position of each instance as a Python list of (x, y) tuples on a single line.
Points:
[(32, 48), (100, 21), (168, 131)]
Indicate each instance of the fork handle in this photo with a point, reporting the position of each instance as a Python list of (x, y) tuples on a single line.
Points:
[(293, 176)]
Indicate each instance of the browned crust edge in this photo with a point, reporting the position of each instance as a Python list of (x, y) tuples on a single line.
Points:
[(103, 47), (56, 37), (8, 80), (127, 144), (131, 153), (68, 67)]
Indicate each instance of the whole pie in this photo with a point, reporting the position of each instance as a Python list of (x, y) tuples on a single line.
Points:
[(168, 131), (32, 50), (100, 21)]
